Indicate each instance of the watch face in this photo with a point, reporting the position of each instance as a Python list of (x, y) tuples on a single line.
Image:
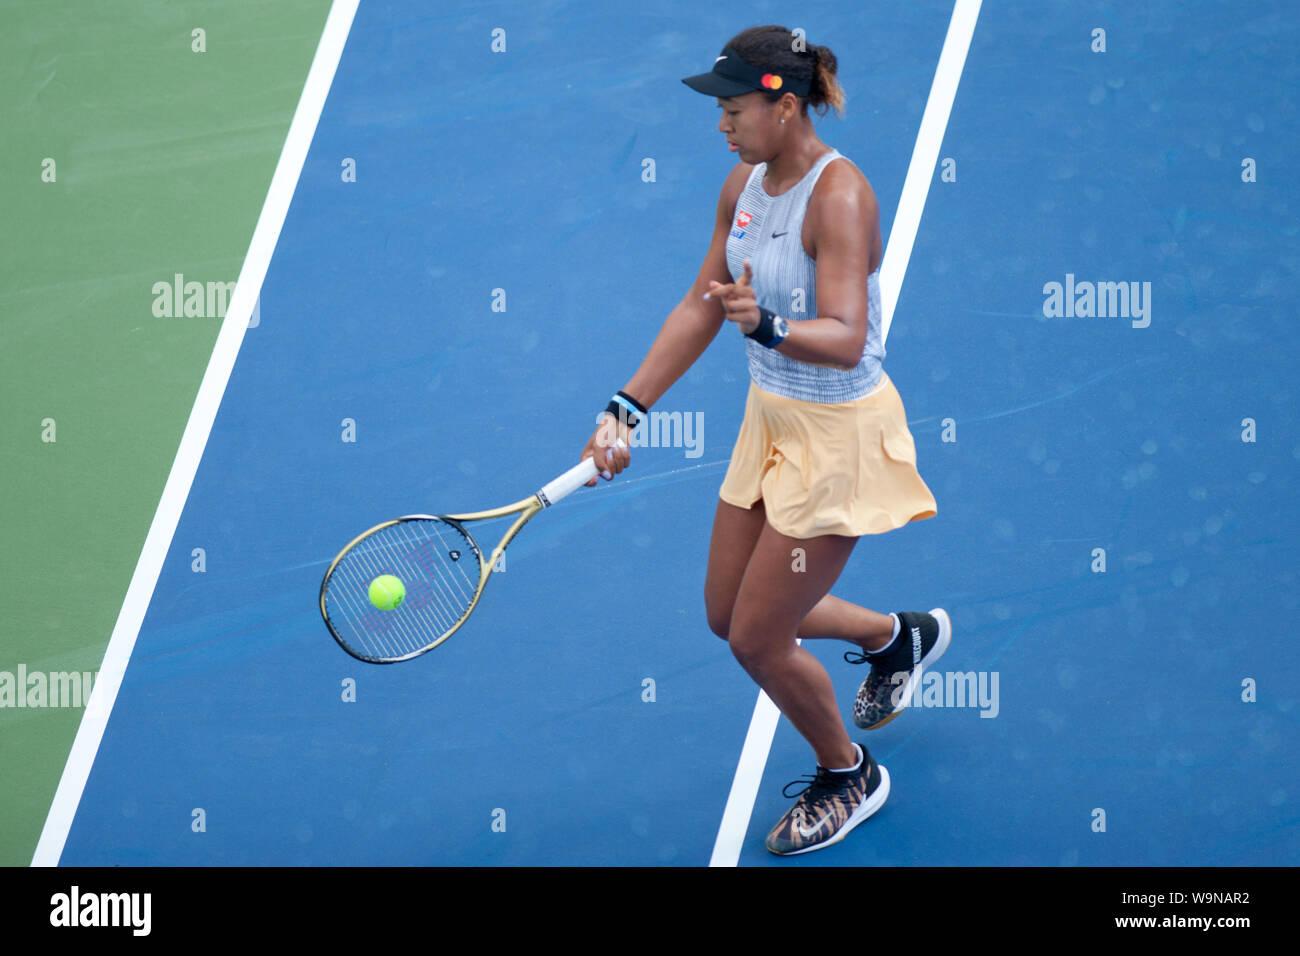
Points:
[(781, 327)]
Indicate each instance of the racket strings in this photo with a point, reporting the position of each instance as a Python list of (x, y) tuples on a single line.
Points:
[(437, 563)]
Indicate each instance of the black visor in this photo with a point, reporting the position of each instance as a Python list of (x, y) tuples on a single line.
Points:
[(732, 76)]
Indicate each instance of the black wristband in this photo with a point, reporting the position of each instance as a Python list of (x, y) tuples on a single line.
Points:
[(619, 408), (633, 402), (768, 332)]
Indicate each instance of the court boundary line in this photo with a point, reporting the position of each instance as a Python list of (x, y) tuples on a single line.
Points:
[(212, 388), (898, 252)]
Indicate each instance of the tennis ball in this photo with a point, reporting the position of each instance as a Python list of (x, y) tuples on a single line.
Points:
[(386, 592)]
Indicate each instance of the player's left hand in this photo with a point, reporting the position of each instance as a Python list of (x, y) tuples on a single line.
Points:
[(738, 301)]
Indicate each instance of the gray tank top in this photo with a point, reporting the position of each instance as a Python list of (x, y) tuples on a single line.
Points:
[(766, 230)]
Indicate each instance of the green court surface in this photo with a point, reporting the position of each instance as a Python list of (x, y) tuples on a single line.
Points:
[(129, 157)]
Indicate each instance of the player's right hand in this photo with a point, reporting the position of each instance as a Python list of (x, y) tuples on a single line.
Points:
[(608, 445)]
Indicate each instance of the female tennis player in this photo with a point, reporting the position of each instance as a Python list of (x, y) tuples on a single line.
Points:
[(824, 454)]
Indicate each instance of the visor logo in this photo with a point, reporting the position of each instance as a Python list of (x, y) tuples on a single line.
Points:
[(771, 81)]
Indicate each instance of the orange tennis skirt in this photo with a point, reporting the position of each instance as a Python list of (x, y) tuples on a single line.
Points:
[(847, 468)]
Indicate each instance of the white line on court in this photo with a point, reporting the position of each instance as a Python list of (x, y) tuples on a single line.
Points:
[(195, 438), (925, 155)]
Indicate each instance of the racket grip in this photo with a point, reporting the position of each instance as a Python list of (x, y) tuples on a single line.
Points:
[(568, 483)]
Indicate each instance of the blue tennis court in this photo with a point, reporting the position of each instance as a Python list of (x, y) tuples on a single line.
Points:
[(1115, 537)]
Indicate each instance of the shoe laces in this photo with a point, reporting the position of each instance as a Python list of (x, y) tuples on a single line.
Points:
[(815, 786)]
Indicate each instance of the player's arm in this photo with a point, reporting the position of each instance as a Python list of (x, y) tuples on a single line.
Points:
[(690, 327), (845, 218), (695, 321)]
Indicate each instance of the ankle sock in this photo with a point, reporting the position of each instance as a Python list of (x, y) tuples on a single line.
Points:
[(898, 626), (856, 766)]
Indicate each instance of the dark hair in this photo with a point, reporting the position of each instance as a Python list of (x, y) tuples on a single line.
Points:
[(779, 50)]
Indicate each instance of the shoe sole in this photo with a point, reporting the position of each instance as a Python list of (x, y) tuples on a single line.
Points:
[(936, 652), (868, 807)]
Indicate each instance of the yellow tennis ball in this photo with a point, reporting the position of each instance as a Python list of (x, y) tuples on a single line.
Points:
[(386, 592)]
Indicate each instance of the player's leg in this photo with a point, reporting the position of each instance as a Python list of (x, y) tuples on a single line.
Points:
[(899, 647), (783, 580), (840, 620), (886, 690), (735, 532)]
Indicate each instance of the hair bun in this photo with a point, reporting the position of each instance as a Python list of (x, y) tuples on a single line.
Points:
[(783, 51)]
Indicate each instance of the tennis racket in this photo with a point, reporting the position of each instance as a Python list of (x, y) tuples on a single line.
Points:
[(443, 569)]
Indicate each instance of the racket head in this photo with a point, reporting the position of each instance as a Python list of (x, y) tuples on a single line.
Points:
[(437, 561)]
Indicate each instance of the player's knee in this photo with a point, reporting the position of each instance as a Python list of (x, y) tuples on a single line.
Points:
[(720, 624), (749, 650), (719, 617)]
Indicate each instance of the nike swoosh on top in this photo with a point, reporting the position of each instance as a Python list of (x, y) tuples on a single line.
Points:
[(720, 58), (778, 235)]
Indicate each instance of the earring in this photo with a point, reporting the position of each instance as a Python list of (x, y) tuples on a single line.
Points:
[(782, 120)]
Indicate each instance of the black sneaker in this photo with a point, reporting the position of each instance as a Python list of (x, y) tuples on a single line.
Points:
[(830, 805), (894, 675)]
